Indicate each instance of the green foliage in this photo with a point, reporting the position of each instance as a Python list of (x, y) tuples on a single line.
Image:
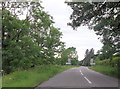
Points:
[(106, 69), (69, 53), (29, 42), (32, 77), (105, 62), (74, 62), (108, 66), (88, 56), (103, 18), (116, 61)]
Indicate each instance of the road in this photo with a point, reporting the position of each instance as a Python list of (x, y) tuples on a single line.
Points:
[(80, 78)]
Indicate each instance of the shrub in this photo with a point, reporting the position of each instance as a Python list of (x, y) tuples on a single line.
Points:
[(116, 61)]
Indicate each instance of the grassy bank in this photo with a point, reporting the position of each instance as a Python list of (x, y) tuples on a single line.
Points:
[(107, 70), (31, 77)]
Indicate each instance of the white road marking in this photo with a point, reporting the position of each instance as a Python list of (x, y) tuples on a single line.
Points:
[(88, 80), (81, 72)]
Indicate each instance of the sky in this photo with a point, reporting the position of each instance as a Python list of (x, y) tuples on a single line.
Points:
[(82, 38)]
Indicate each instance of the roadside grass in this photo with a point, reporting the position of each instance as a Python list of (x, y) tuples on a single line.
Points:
[(106, 69), (30, 78)]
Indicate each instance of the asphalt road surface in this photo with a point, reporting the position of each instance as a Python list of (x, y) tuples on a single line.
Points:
[(80, 78)]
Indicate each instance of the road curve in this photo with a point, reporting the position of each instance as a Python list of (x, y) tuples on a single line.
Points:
[(80, 78)]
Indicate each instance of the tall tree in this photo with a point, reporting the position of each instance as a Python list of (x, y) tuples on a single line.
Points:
[(30, 41), (88, 56), (103, 18), (69, 53), (86, 52)]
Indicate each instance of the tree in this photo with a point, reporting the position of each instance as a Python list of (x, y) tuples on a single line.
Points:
[(13, 31), (88, 56), (31, 41), (102, 17), (86, 52), (52, 43), (70, 53)]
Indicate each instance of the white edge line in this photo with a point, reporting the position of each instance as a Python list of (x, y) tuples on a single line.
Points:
[(88, 80)]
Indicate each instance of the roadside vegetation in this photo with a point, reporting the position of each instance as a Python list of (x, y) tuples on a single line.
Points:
[(31, 77), (107, 70), (103, 18), (107, 66), (29, 41), (33, 40)]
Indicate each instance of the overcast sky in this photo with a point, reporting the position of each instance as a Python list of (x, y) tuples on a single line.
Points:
[(81, 39)]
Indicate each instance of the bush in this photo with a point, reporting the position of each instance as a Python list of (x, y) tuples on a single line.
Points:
[(116, 61), (106, 69), (103, 62), (106, 62)]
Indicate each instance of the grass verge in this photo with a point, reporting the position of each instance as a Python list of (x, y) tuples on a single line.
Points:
[(30, 78), (107, 70)]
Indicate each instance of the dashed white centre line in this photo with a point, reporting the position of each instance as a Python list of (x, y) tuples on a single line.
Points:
[(81, 72), (88, 80)]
